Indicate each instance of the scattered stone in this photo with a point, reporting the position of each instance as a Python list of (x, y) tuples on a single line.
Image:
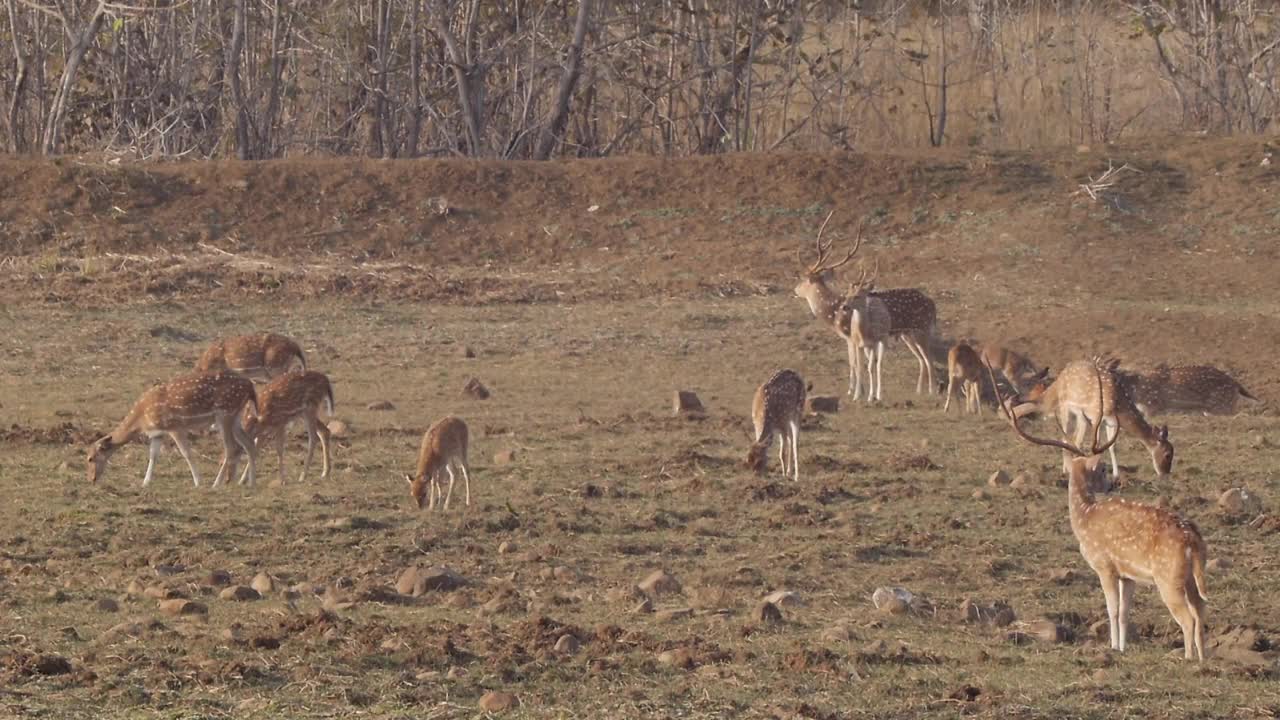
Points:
[(217, 578), (883, 595), (380, 405), (836, 633), (1101, 629), (263, 583), (475, 389), (239, 593), (673, 614), (1020, 480), (181, 606), (766, 613), (160, 592), (1239, 501), (164, 570), (466, 352), (679, 658), (265, 642), (416, 581), (504, 457), (567, 645), (57, 595), (998, 615), (506, 547), (455, 672), (980, 494), (686, 402), (499, 605), (784, 598), (1063, 576), (564, 574), (895, 606), (135, 589), (50, 664), (497, 701), (644, 607), (968, 693), (824, 404), (125, 629), (338, 428), (1045, 631), (106, 605), (1240, 645), (1218, 565), (998, 478), (659, 582), (233, 633)]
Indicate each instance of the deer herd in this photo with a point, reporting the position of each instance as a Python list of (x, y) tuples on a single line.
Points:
[(1124, 542)]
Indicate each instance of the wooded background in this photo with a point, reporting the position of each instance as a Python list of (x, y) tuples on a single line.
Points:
[(536, 79)]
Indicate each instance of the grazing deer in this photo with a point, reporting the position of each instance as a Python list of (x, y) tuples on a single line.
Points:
[(1016, 368), (1127, 542), (444, 445), (1073, 396), (964, 364), (260, 356), (912, 314), (293, 395), (776, 409), (866, 320), (1185, 388), (176, 408)]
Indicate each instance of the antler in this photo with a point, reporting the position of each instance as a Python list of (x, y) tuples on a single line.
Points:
[(823, 250), (1063, 444)]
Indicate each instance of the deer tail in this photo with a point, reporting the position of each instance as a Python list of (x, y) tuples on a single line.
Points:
[(1195, 553), (328, 399)]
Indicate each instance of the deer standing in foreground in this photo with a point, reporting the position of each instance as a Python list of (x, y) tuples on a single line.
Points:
[(964, 364), (177, 408), (260, 356), (912, 315), (776, 409), (1073, 395), (444, 445), (293, 395), (1185, 388), (1127, 542)]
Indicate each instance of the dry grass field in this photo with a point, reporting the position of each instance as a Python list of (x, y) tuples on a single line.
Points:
[(582, 324)]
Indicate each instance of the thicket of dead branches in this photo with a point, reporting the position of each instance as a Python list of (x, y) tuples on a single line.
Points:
[(544, 78)]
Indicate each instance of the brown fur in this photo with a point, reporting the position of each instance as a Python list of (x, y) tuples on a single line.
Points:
[(963, 364), (444, 445), (260, 356), (776, 409), (1185, 388), (298, 394)]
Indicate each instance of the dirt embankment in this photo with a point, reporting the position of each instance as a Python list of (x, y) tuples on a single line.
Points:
[(1182, 236)]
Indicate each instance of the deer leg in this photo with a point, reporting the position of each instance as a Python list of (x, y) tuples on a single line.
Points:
[(310, 421), (243, 440), (466, 479), (1111, 590), (855, 369), (153, 452), (795, 450), (433, 490), (448, 468), (1196, 605), (1111, 429), (281, 438), (1174, 595), (1126, 604), (879, 370), (184, 449), (322, 430), (975, 388)]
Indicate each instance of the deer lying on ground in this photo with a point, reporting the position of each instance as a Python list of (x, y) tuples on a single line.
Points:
[(293, 395), (444, 445), (776, 409), (177, 408), (261, 356), (912, 315), (1185, 388), (1127, 542), (1073, 396)]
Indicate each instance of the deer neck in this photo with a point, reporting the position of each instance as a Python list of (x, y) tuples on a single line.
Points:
[(1079, 499), (823, 302), (1131, 421)]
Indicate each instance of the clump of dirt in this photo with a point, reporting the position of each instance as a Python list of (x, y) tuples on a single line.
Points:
[(66, 433)]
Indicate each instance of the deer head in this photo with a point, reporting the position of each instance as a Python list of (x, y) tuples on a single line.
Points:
[(99, 453), (817, 276)]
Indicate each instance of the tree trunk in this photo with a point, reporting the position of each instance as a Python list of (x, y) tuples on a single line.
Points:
[(58, 110), (568, 81), (17, 139), (460, 64), (234, 53)]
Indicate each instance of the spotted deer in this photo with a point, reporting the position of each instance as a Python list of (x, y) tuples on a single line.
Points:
[(964, 364), (776, 409), (1016, 368), (444, 445), (1073, 397), (291, 396), (260, 356), (176, 409), (866, 320), (1128, 542), (1185, 388), (912, 315)]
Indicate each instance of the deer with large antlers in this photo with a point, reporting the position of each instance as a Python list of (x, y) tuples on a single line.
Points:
[(1073, 396), (178, 408), (912, 315), (260, 356), (1185, 388), (1127, 542), (288, 397)]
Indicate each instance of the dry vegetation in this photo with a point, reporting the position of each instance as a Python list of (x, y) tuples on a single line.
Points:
[(582, 322)]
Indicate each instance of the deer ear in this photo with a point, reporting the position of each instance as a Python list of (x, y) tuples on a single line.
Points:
[(1164, 432)]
